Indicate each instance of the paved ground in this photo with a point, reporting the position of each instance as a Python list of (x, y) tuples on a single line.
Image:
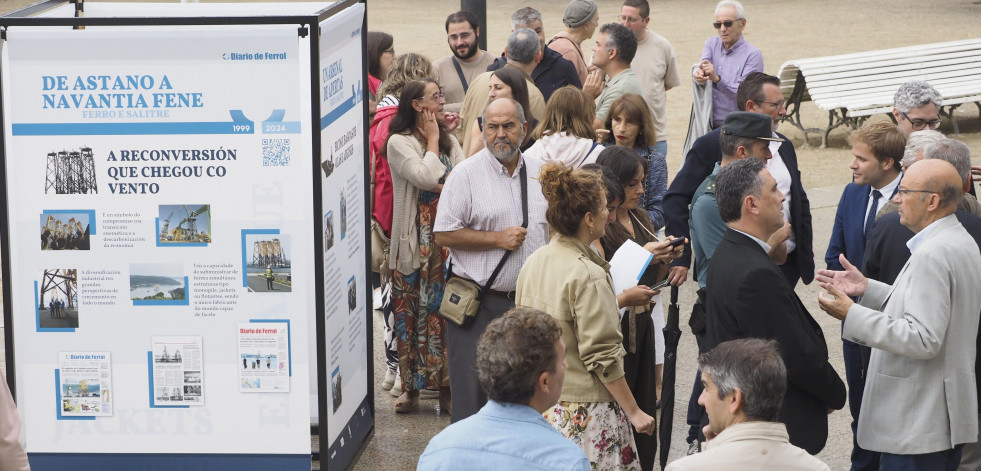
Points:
[(257, 283)]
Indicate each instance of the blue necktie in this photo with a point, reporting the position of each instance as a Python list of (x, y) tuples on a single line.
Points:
[(874, 209)]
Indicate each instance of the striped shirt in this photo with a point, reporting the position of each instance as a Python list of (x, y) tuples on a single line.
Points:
[(480, 195)]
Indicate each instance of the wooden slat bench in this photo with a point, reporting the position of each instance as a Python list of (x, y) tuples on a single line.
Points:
[(852, 87)]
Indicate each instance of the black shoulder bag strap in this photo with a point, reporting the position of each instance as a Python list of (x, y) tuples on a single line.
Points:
[(523, 174), (459, 71)]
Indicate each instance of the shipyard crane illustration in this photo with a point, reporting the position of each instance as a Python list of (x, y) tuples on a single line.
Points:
[(187, 229)]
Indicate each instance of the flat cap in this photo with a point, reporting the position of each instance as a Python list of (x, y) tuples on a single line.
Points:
[(578, 12)]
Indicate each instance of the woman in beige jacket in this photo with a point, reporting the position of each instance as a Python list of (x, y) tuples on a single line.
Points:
[(596, 408), (421, 152)]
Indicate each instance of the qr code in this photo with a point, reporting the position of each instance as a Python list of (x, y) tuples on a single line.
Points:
[(275, 152)]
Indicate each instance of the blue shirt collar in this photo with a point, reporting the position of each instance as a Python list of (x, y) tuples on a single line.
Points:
[(921, 236)]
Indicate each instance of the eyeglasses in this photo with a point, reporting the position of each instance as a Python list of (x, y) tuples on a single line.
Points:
[(464, 36), (776, 104), (726, 23), (921, 124), (902, 192), (630, 19), (435, 96)]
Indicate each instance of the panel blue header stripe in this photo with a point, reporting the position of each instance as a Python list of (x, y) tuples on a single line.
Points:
[(240, 124)]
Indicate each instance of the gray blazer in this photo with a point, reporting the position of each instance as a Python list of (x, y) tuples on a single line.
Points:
[(920, 393)]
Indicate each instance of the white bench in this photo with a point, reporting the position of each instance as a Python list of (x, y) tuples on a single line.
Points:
[(852, 87)]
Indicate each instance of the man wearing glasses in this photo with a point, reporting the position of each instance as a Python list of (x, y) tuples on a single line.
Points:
[(916, 107), (877, 150), (457, 71), (886, 252), (921, 397), (727, 59)]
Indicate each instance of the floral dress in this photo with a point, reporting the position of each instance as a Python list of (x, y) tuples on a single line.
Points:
[(601, 429), (419, 329)]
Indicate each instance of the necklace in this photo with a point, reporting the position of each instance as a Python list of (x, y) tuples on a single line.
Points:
[(628, 225)]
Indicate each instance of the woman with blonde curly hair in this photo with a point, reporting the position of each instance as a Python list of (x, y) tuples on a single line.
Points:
[(596, 408), (566, 133)]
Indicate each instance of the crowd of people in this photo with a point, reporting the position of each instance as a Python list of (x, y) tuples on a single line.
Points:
[(507, 184)]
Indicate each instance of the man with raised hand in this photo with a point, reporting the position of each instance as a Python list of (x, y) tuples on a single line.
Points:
[(921, 402)]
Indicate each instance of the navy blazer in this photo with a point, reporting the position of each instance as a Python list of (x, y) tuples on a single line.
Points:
[(848, 233), (758, 302), (701, 159), (551, 74)]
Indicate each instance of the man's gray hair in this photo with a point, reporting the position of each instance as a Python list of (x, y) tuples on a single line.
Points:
[(524, 17), (914, 94), (620, 37), (740, 12), (517, 106), (754, 367), (917, 142), (523, 46), (955, 152), (735, 182)]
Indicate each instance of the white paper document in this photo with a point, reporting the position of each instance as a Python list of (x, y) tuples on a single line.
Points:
[(628, 264), (263, 348), (177, 371)]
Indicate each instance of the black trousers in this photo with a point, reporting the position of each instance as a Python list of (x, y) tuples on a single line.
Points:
[(639, 373)]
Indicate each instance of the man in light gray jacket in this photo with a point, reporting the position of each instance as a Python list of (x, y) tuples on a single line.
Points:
[(921, 401)]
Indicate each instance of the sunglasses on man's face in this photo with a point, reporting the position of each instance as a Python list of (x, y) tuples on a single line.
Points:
[(726, 23)]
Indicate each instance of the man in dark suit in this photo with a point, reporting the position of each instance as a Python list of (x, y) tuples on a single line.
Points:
[(759, 302), (758, 93), (877, 149)]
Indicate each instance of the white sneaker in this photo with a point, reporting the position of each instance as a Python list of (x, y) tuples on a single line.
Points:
[(396, 389), (376, 301), (390, 376)]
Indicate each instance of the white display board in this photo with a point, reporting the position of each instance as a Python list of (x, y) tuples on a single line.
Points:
[(344, 207), (161, 258)]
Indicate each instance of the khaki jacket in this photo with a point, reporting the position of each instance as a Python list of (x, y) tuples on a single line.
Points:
[(570, 281), (751, 446)]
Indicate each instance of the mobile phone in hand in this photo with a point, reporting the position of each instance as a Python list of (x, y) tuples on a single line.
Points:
[(677, 242), (661, 284)]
